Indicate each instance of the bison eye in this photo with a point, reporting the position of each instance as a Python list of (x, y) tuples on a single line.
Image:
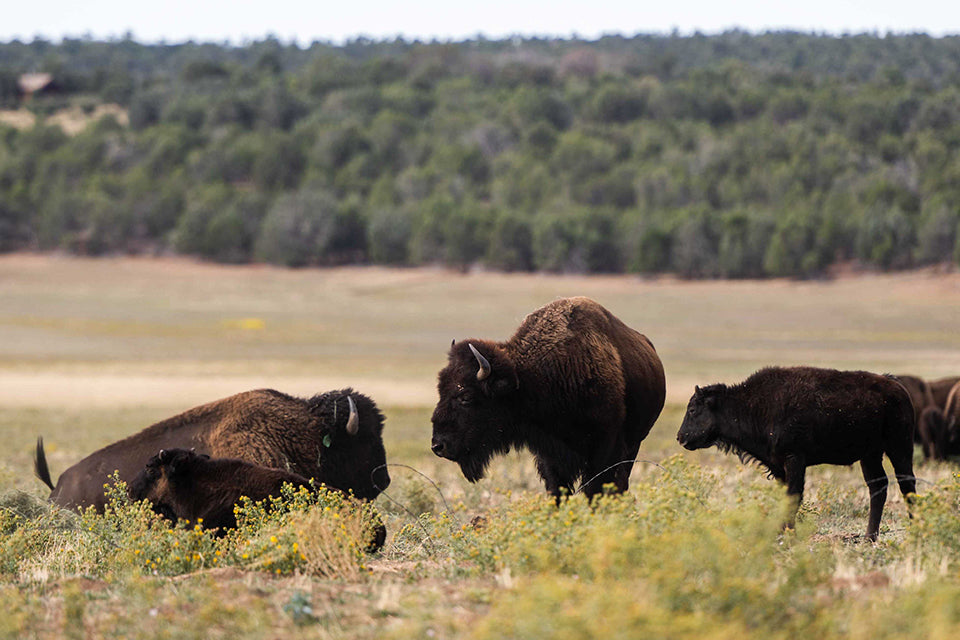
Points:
[(465, 397)]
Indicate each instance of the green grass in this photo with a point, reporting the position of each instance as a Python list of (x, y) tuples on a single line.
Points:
[(91, 351)]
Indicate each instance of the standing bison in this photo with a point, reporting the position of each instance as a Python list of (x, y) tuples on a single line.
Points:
[(575, 385), (335, 438), (940, 428), (788, 419)]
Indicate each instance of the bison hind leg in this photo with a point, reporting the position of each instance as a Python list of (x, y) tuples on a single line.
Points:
[(876, 479), (902, 461)]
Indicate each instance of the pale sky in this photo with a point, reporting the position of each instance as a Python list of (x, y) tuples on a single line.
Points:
[(304, 21)]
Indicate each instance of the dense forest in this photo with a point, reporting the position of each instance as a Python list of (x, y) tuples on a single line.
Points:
[(732, 155)]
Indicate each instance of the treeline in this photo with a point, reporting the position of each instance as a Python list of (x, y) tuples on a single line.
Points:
[(733, 155)]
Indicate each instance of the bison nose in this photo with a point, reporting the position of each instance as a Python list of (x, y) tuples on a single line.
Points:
[(437, 447), (382, 479)]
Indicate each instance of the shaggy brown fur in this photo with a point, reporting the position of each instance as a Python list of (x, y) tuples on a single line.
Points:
[(791, 418), (575, 385), (266, 427)]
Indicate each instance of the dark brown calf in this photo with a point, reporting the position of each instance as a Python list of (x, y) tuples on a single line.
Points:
[(186, 485), (791, 418)]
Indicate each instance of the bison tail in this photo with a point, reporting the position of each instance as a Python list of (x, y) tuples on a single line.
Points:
[(40, 468)]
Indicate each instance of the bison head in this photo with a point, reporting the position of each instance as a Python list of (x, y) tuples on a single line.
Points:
[(476, 414), (351, 456), (157, 480), (700, 427)]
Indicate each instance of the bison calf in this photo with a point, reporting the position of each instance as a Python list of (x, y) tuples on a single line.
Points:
[(791, 418), (185, 485)]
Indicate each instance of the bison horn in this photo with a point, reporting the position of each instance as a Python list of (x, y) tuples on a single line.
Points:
[(484, 365), (353, 422)]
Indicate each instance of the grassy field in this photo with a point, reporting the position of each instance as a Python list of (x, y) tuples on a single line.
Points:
[(93, 350)]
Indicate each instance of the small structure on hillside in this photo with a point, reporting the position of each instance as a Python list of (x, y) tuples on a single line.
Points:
[(31, 84)]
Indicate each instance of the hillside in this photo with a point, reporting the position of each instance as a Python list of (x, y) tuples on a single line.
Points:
[(735, 155)]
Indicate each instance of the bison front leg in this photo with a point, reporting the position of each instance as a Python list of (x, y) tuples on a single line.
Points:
[(556, 483), (876, 479), (795, 474)]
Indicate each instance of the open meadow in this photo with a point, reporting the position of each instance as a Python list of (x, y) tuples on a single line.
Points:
[(94, 350)]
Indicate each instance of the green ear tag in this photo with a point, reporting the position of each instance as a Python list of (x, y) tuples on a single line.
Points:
[(327, 440)]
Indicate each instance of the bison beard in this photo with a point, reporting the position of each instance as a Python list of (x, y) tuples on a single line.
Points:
[(474, 464)]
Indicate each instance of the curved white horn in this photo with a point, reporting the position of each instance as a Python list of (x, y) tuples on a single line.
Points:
[(484, 370), (353, 422)]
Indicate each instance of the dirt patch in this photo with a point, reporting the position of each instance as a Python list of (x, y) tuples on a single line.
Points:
[(19, 119), (72, 120)]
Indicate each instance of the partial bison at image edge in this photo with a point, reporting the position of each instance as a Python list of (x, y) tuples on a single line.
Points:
[(939, 428), (575, 385), (788, 419), (336, 438)]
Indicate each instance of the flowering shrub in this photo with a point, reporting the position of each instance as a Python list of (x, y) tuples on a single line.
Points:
[(319, 532)]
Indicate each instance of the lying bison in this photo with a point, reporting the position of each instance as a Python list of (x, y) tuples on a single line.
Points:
[(940, 428), (575, 385), (334, 438), (186, 485), (788, 419)]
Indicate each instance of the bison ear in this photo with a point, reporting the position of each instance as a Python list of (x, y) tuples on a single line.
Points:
[(502, 380), (503, 384), (178, 463)]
